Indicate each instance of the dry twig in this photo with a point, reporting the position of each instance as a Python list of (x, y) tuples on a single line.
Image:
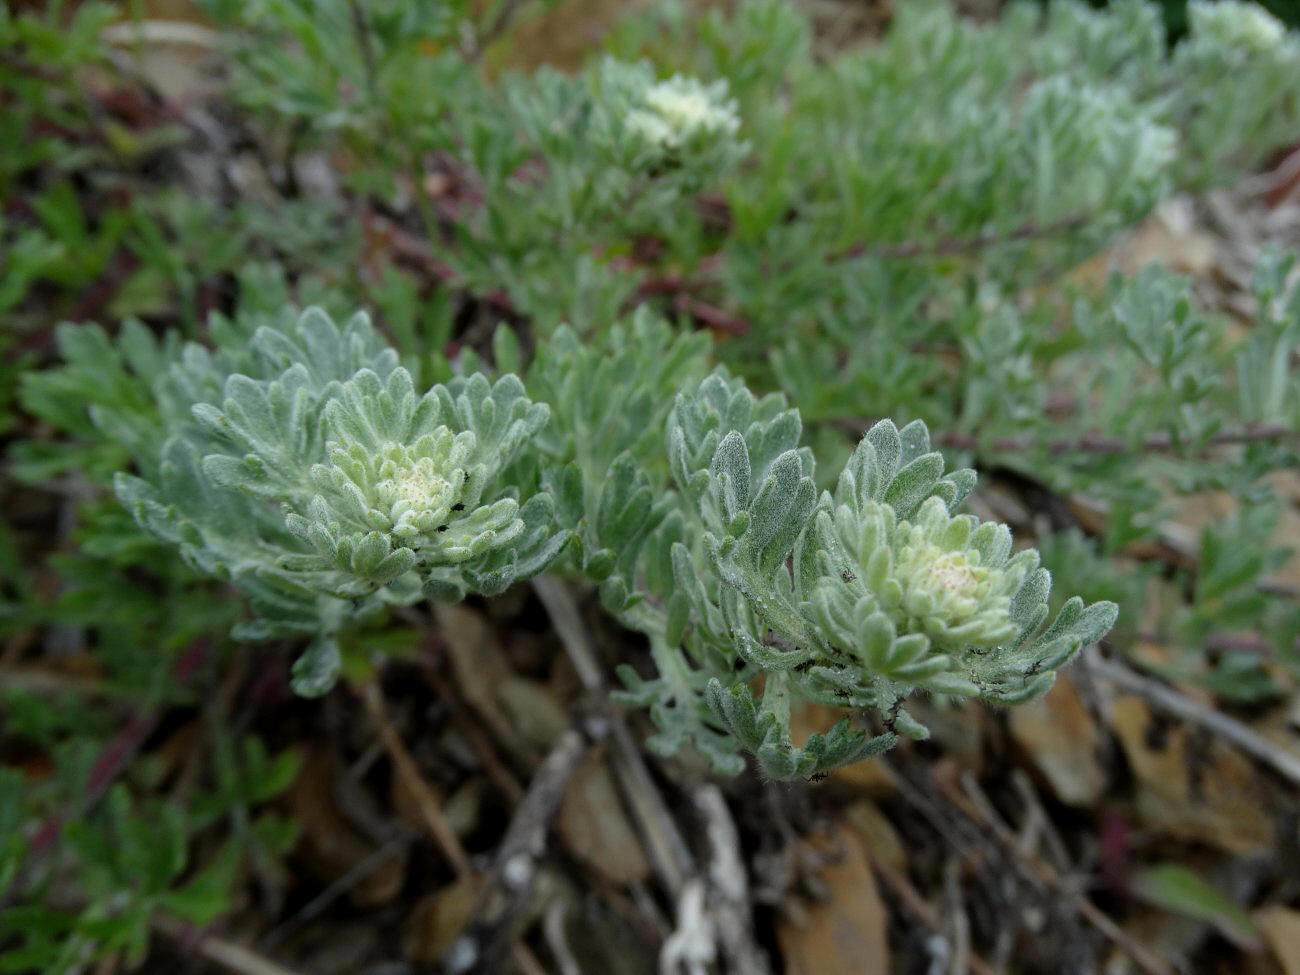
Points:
[(1096, 443), (232, 957), (1041, 872), (486, 939), (430, 809), (728, 894), (479, 742), (1179, 705), (553, 930), (920, 909), (341, 885), (668, 850), (958, 246), (404, 765)]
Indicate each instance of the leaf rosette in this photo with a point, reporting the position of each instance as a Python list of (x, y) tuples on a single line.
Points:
[(856, 599), (924, 598), (412, 483)]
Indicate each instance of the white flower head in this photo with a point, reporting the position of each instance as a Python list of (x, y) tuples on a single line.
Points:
[(416, 491), (950, 578), (406, 491), (948, 590), (1236, 24), (1156, 147), (675, 112)]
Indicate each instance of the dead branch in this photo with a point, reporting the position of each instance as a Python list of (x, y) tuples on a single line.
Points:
[(342, 885), (404, 765), (487, 938), (228, 955), (956, 246), (668, 850), (920, 909), (479, 742), (1041, 872), (728, 884), (1179, 705), (1096, 443)]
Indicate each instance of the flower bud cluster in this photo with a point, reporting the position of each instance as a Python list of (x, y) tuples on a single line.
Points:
[(679, 111), (1246, 27), (949, 578)]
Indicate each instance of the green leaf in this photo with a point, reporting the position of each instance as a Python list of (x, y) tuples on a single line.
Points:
[(207, 895), (1182, 890), (914, 483), (506, 352), (730, 468), (315, 672)]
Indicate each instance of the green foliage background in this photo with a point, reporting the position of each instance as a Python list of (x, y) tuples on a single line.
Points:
[(888, 235)]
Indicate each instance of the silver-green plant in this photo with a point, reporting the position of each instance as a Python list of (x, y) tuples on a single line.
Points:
[(855, 599), (303, 465)]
